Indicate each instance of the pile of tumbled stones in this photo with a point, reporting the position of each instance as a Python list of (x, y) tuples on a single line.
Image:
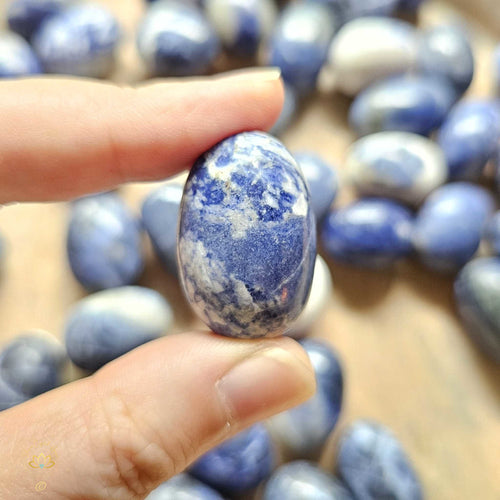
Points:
[(424, 167)]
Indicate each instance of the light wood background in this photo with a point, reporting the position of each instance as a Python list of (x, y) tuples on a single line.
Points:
[(408, 362)]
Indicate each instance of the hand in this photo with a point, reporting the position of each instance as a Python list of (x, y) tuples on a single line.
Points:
[(146, 416)]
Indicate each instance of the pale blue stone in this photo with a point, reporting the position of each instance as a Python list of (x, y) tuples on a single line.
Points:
[(288, 112), (108, 324), (183, 487), (247, 237), (449, 225), (17, 59), (10, 397), (301, 480), (492, 233), (363, 8), (81, 41)]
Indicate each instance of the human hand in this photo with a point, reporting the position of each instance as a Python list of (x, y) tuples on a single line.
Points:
[(147, 415)]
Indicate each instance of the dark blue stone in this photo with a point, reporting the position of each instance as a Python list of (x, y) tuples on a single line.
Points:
[(160, 216), (364, 8), (303, 480), (416, 104), (477, 296), (449, 225), (104, 242), (288, 112), (374, 466), (108, 324), (80, 40), (183, 487), (492, 233), (239, 464), (372, 232), (247, 237), (9, 397), (469, 137), (17, 59), (410, 5)]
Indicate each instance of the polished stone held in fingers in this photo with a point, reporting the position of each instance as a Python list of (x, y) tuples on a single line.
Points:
[(183, 487), (17, 58), (247, 237)]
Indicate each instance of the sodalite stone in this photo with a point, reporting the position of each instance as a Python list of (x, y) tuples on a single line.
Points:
[(288, 112), (303, 431), (17, 59), (242, 26), (449, 225), (469, 137), (81, 41), (108, 324), (477, 295), (417, 104), (397, 165), (321, 179), (368, 8), (9, 396), (374, 466), (160, 217), (300, 41), (239, 464), (247, 237), (492, 233), (410, 5), (301, 480), (446, 51), (183, 487), (175, 39), (366, 50), (104, 242), (371, 232)]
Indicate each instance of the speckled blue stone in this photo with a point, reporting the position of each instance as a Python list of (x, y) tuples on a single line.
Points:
[(17, 59), (374, 466), (160, 216), (300, 41), (176, 39), (477, 295), (416, 104), (81, 41), (288, 112), (104, 242), (371, 233), (445, 51), (239, 464), (302, 431), (449, 225), (108, 324), (303, 480), (25, 16), (183, 487), (321, 179), (247, 237), (469, 137), (492, 233)]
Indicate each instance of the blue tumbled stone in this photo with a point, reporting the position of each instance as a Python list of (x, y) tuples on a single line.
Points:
[(160, 216), (17, 59), (9, 396), (247, 237), (239, 464), (301, 480), (175, 39), (449, 225), (288, 112), (374, 466), (321, 179), (477, 295), (410, 5), (81, 41), (183, 487), (103, 242), (302, 432), (417, 104), (469, 137), (492, 233), (371, 233), (108, 324), (368, 8)]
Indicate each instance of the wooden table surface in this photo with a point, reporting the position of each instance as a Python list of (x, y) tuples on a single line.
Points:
[(408, 362)]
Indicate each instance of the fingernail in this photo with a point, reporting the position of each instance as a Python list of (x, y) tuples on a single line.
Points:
[(252, 74), (266, 383)]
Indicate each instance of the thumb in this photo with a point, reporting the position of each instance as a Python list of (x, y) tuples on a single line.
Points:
[(146, 416)]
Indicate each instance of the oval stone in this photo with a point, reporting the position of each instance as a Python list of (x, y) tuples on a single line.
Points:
[(449, 225), (492, 233), (371, 232), (302, 480), (477, 295), (17, 59), (417, 104), (397, 165), (247, 237), (373, 464), (183, 487), (108, 324), (239, 464)]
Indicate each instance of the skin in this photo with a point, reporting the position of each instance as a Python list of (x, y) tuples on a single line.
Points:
[(146, 416)]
